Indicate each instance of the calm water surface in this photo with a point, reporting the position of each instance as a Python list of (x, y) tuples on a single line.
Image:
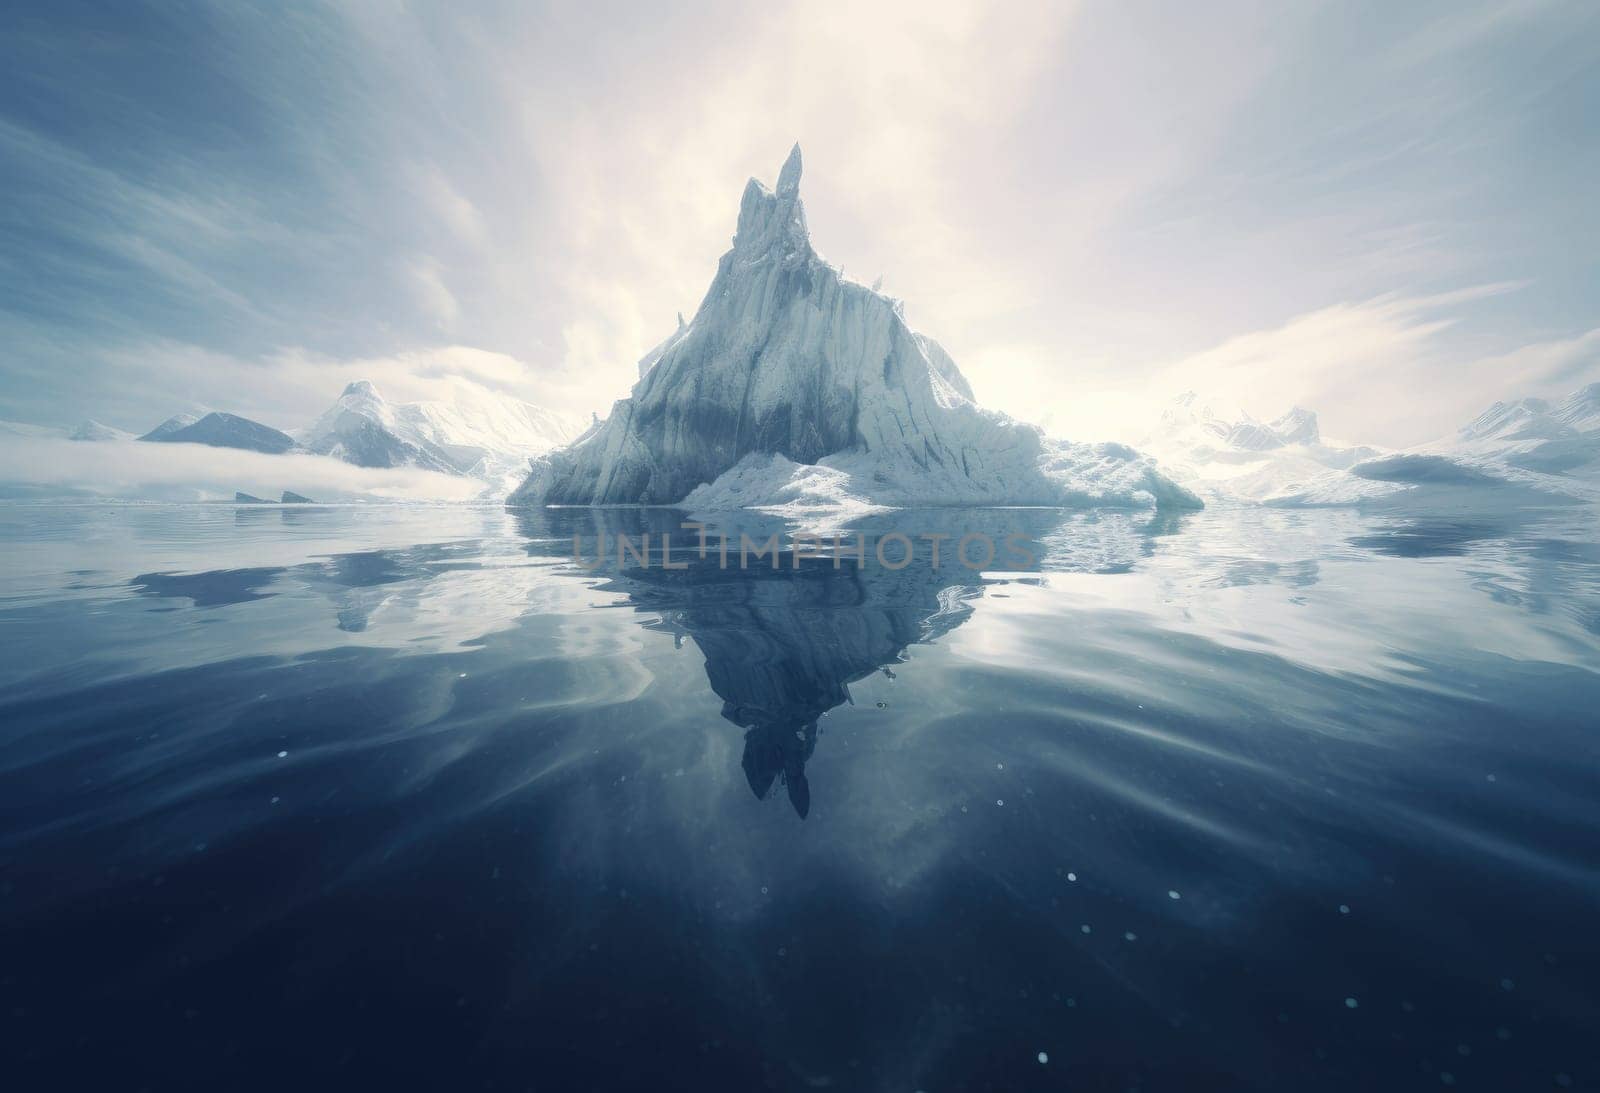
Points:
[(402, 798)]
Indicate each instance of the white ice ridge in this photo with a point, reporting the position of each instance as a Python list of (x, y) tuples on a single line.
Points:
[(793, 385)]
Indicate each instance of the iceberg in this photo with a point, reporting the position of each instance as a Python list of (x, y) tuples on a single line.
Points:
[(792, 385)]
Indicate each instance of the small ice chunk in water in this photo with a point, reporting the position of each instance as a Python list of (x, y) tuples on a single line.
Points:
[(283, 755), (1344, 908), (1172, 893), (1351, 1003), (1072, 877), (1043, 1058)]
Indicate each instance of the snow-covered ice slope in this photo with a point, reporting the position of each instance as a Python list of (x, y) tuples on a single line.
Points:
[(171, 425), (795, 381)]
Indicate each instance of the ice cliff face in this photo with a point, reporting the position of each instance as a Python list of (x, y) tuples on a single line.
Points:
[(786, 367)]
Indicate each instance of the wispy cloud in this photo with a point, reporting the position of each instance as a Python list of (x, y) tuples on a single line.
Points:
[(1381, 371), (1071, 197)]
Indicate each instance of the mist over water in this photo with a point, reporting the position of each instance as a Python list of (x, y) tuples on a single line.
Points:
[(403, 795)]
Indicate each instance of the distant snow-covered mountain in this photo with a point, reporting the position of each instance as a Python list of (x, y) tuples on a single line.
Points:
[(171, 425), (92, 430), (1536, 434), (1530, 450), (209, 457), (474, 432), (1230, 454), (794, 386), (220, 430)]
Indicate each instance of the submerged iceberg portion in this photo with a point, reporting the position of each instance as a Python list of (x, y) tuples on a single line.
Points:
[(793, 380)]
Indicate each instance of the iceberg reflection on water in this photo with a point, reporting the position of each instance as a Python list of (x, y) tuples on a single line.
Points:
[(785, 634), (396, 786)]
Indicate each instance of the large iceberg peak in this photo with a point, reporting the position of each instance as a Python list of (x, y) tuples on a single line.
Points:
[(362, 389), (773, 223), (789, 176), (790, 378)]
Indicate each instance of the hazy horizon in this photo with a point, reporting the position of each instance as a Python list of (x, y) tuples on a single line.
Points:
[(1383, 216)]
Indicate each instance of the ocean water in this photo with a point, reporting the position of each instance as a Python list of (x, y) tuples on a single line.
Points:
[(405, 797)]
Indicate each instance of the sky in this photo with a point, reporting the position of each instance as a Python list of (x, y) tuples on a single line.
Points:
[(1382, 211)]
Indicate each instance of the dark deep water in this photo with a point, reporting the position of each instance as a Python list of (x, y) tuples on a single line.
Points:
[(401, 798)]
